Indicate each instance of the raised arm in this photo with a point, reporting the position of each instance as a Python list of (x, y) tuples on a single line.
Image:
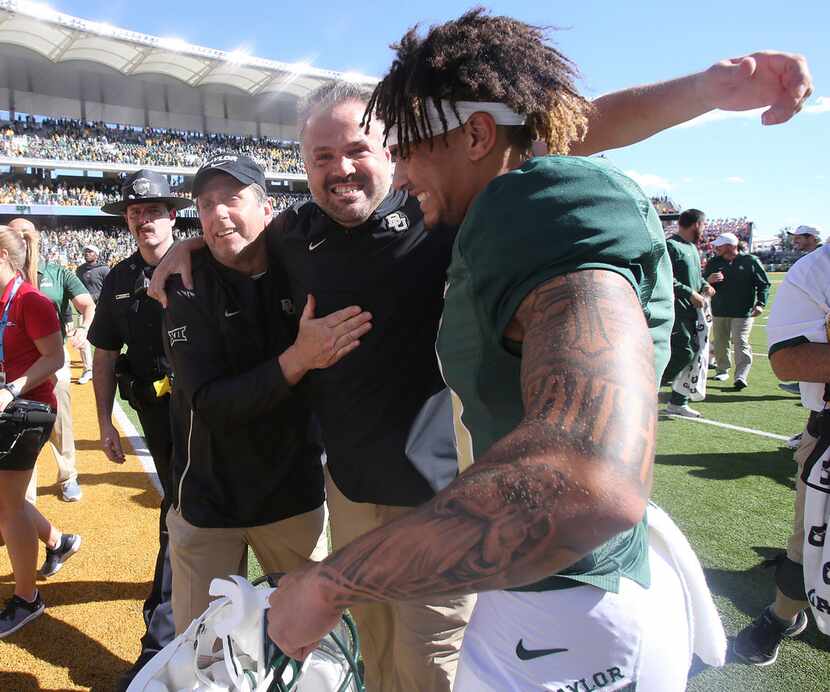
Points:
[(779, 82), (574, 473)]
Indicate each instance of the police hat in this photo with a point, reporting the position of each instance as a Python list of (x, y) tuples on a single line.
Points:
[(243, 168), (145, 186)]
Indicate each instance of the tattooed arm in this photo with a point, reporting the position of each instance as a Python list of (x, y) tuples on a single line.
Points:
[(574, 473)]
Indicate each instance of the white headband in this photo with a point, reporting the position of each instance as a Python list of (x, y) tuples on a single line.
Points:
[(502, 114)]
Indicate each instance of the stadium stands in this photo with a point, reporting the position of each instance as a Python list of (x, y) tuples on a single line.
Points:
[(19, 191), (741, 227), (64, 244), (72, 140)]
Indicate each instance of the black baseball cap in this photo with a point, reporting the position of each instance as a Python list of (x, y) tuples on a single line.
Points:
[(243, 168)]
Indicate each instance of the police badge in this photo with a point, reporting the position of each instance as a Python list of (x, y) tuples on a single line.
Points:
[(142, 187)]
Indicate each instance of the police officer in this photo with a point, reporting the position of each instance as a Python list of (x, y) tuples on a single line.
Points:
[(247, 474), (126, 316)]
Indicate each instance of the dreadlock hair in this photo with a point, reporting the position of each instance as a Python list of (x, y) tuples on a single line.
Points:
[(479, 57)]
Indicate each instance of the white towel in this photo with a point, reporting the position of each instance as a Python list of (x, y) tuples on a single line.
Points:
[(705, 627), (691, 380)]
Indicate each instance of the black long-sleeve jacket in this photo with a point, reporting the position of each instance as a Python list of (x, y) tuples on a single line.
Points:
[(243, 454)]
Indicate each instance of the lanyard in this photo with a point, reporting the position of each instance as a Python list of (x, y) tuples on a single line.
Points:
[(4, 321)]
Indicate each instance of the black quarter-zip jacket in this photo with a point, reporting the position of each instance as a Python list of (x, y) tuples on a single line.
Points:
[(370, 404), (243, 453)]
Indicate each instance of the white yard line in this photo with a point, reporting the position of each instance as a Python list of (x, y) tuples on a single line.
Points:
[(137, 443), (762, 355), (728, 426)]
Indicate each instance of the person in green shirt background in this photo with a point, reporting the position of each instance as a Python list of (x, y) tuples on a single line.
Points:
[(742, 290), (61, 286), (690, 293)]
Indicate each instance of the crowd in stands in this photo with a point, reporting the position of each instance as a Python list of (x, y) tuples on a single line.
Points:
[(61, 194), (741, 227), (74, 140), (89, 195), (65, 244)]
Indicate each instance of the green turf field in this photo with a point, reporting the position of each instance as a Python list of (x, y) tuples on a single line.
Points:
[(732, 494)]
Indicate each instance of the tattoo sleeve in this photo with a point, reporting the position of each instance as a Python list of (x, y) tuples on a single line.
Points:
[(574, 473)]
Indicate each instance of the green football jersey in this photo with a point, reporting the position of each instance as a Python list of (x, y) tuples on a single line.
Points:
[(553, 216)]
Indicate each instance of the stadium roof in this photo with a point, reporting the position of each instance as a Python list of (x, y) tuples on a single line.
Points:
[(58, 65), (61, 37)]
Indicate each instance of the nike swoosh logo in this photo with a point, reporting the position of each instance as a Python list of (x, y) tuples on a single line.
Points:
[(530, 654), (313, 246), (231, 314)]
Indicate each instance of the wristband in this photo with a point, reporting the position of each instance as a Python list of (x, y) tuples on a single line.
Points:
[(13, 389)]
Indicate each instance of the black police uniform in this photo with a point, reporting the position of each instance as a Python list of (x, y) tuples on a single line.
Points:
[(384, 410), (243, 454), (126, 315)]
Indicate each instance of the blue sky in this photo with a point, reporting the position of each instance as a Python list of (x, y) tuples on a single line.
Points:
[(729, 166)]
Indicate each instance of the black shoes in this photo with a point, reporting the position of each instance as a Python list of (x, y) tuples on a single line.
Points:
[(740, 384), (759, 642), (69, 545), (18, 612)]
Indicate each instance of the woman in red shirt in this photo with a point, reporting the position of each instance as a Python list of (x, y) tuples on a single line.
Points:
[(31, 351)]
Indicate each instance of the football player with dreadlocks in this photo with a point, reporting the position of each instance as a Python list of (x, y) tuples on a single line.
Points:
[(558, 310)]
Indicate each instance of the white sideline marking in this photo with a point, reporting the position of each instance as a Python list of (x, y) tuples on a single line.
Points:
[(138, 444), (761, 355), (728, 426)]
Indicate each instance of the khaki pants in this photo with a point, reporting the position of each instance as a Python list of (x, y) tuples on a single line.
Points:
[(199, 555), (407, 646), (62, 439), (733, 332)]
